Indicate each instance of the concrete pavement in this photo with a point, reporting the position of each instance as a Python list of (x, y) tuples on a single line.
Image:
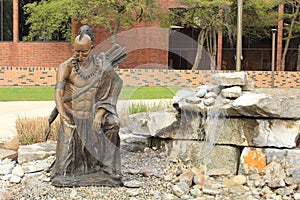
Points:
[(10, 111)]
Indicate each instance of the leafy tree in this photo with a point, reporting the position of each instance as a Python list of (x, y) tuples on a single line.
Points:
[(258, 17), (204, 15), (50, 16)]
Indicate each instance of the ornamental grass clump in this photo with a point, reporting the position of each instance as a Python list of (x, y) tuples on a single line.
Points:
[(137, 107), (32, 130)]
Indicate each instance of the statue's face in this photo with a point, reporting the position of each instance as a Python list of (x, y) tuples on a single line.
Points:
[(82, 48)]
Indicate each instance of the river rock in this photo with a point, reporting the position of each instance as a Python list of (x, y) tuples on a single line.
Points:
[(209, 101), (239, 179), (15, 179), (201, 93), (210, 88), (211, 191), (187, 177), (134, 192), (6, 166), (133, 184), (297, 196), (195, 192), (210, 95), (5, 195), (180, 189), (18, 171), (232, 92), (168, 196)]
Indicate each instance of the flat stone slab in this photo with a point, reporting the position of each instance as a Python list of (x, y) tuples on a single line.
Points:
[(271, 103), (230, 79), (6, 153), (36, 151)]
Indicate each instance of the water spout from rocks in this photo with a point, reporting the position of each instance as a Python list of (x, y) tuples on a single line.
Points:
[(213, 124)]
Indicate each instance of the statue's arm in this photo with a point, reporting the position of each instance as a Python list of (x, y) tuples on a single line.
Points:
[(61, 78)]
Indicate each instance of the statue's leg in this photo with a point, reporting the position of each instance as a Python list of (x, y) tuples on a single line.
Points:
[(111, 160), (62, 163)]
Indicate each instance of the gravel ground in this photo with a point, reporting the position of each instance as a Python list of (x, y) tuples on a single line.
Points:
[(142, 173), (151, 175)]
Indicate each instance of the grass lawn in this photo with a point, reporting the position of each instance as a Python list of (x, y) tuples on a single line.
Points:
[(45, 93)]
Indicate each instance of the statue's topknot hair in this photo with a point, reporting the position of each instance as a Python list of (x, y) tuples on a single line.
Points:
[(85, 29)]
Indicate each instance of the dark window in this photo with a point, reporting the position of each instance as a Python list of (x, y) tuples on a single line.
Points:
[(6, 20), (24, 28)]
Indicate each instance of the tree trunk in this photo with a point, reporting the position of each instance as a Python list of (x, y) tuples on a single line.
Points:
[(214, 51), (289, 37), (211, 47), (115, 30), (298, 62), (199, 49)]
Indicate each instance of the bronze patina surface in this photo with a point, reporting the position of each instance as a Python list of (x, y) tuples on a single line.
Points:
[(88, 146)]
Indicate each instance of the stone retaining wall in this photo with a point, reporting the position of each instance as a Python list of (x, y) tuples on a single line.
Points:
[(41, 76)]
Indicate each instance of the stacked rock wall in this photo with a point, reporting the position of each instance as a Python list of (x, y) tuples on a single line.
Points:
[(229, 126)]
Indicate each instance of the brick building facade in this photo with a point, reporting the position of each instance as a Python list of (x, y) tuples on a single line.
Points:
[(147, 46)]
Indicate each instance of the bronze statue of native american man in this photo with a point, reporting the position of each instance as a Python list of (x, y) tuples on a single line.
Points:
[(86, 93)]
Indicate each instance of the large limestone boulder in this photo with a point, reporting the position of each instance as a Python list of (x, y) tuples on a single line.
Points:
[(166, 124), (260, 159), (196, 152), (230, 79), (256, 132), (155, 124), (276, 103)]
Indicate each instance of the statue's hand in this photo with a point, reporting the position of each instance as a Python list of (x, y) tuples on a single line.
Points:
[(68, 124), (98, 120), (66, 119)]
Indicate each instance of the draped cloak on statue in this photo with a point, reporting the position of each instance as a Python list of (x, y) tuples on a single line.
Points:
[(82, 157)]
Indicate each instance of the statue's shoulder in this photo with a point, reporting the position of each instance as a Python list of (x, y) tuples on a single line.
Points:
[(67, 63), (65, 68)]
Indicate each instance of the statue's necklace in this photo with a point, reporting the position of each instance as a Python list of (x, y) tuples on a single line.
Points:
[(81, 73)]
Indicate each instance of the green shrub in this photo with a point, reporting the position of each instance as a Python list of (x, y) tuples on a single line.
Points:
[(32, 130)]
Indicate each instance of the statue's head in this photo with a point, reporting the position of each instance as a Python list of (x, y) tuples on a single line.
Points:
[(82, 47)]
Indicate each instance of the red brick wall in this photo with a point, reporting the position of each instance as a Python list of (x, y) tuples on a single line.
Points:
[(38, 76), (147, 46), (34, 54)]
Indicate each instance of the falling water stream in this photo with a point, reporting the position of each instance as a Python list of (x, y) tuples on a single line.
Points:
[(214, 122)]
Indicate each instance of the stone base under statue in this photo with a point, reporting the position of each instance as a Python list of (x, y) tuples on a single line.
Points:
[(93, 179)]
